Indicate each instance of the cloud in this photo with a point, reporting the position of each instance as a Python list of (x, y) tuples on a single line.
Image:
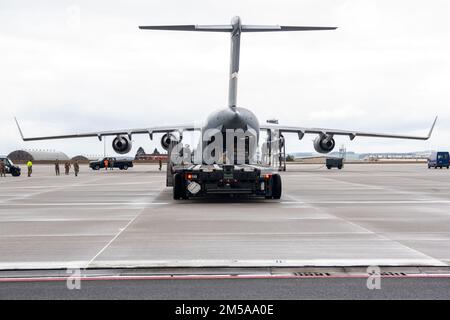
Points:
[(75, 66)]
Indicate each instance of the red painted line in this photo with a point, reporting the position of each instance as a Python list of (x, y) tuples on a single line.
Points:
[(210, 277)]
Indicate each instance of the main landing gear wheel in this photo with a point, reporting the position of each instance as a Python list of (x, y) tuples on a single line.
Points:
[(179, 191)]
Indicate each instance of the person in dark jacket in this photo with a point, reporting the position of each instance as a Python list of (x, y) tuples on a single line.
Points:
[(57, 167), (76, 168), (67, 168)]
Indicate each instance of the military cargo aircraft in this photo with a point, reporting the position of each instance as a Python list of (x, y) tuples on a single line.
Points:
[(233, 117)]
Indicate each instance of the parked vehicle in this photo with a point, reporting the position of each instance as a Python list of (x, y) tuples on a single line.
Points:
[(11, 168), (439, 159), (122, 164), (334, 163)]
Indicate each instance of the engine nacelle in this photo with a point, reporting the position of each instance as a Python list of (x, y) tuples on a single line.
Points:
[(324, 143), (167, 139), (122, 144)]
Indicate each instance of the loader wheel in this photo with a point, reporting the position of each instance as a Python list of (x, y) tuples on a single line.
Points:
[(179, 191), (276, 186)]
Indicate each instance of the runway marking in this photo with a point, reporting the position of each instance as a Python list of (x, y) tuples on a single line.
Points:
[(112, 240), (368, 202), (204, 263), (97, 184), (44, 204), (118, 234), (385, 188), (381, 236), (57, 235), (80, 183)]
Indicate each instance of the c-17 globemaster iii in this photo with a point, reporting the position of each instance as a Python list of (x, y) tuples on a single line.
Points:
[(224, 161)]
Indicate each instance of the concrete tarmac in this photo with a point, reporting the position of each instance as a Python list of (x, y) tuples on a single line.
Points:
[(380, 214)]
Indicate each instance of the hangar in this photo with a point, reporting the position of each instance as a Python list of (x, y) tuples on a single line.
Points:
[(80, 158), (37, 155)]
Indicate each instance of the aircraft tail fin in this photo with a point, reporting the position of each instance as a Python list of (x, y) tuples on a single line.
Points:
[(235, 29)]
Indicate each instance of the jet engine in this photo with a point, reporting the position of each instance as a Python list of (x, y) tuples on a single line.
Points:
[(167, 139), (324, 143), (121, 144)]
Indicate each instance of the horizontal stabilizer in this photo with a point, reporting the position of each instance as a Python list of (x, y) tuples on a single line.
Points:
[(229, 28), (260, 28), (210, 28)]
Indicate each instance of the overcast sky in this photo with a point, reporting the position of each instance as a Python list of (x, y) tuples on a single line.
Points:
[(74, 66)]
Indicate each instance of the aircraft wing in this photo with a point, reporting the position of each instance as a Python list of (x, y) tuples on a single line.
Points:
[(99, 134), (352, 134)]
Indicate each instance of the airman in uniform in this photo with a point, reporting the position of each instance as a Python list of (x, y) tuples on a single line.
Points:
[(76, 168), (67, 167), (30, 168), (57, 167), (2, 169)]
